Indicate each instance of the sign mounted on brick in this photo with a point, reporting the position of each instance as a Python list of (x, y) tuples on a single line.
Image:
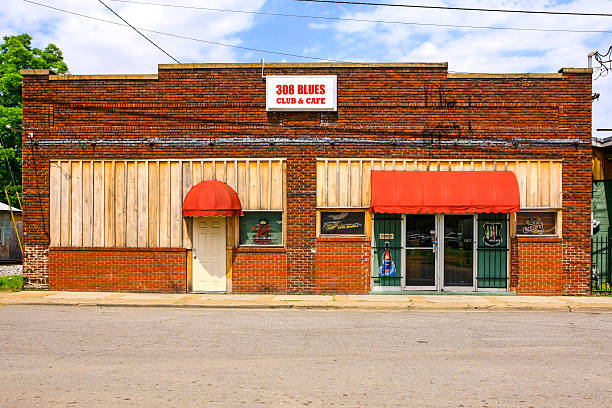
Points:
[(301, 93)]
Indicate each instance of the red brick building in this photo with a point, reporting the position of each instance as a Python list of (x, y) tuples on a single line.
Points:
[(325, 174)]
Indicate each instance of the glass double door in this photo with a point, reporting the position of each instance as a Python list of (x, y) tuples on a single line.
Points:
[(439, 252)]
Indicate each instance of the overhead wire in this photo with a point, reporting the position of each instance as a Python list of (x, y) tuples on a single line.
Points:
[(603, 68), (135, 29), (368, 3), (359, 20), (184, 36)]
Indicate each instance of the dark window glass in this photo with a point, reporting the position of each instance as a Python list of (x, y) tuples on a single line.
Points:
[(420, 230), (343, 223), (262, 228), (536, 223)]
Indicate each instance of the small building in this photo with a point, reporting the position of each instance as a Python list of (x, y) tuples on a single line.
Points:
[(308, 178), (10, 248)]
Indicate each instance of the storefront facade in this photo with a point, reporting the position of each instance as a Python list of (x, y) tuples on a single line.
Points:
[(316, 178)]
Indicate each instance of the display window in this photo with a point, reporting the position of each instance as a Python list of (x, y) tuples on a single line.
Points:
[(342, 223), (535, 223), (261, 228)]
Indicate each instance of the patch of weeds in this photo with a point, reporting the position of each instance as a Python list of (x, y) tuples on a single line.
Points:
[(13, 283)]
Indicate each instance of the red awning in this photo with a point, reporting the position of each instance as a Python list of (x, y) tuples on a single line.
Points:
[(417, 192), (211, 198)]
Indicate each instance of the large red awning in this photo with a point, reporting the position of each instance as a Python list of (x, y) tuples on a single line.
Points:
[(211, 198), (417, 192)]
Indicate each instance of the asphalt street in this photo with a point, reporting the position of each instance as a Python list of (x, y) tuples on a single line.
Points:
[(56, 356)]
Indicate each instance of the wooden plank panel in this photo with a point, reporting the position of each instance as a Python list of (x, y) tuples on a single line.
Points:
[(355, 172), (512, 167), (164, 204), (120, 226), (456, 166), (55, 198), (409, 165), (277, 185), (76, 216), (109, 204), (98, 204), (231, 175), (320, 183), (176, 205), (532, 184), (87, 204), (196, 167), (153, 204), (522, 180), (555, 185), (332, 183), (143, 203), (343, 184), (253, 203), (208, 170), (66, 210), (442, 166), (544, 182), (264, 184), (131, 233), (366, 179), (243, 188), (220, 171), (187, 184), (377, 165)]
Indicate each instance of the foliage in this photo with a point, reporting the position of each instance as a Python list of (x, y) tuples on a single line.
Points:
[(17, 53), (11, 283)]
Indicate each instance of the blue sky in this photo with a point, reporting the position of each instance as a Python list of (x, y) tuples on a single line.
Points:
[(93, 47)]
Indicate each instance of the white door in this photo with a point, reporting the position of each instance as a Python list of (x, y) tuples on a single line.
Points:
[(209, 254)]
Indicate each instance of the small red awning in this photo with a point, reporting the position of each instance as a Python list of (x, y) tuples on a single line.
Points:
[(417, 192), (211, 198)]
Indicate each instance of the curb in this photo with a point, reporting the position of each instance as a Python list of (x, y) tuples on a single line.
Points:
[(329, 307)]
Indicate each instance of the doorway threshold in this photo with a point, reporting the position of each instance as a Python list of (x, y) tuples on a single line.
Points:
[(441, 293)]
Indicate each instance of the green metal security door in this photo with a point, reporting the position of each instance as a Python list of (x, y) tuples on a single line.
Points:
[(492, 269), (387, 250)]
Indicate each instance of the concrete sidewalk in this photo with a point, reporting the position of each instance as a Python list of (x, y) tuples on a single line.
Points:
[(331, 302)]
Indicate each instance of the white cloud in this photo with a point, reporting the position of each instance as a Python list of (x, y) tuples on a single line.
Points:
[(480, 50), (92, 47)]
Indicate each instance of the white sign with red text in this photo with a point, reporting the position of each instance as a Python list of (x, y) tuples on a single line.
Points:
[(301, 93)]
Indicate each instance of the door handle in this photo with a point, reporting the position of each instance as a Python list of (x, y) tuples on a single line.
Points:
[(195, 255)]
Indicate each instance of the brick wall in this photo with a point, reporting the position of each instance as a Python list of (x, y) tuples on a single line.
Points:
[(383, 111), (343, 265), (118, 269), (259, 270), (538, 263)]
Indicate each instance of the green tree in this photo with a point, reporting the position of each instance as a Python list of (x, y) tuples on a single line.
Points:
[(16, 53)]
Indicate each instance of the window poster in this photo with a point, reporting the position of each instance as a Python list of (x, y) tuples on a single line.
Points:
[(536, 223), (342, 223), (261, 228)]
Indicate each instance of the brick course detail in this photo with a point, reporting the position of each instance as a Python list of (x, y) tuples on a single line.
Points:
[(343, 265), (161, 270), (384, 111)]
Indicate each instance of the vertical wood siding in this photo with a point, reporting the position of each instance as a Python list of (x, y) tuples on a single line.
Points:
[(346, 183), (139, 203)]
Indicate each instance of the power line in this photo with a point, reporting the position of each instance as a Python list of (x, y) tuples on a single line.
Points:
[(135, 29), (360, 20), (183, 36), (367, 3)]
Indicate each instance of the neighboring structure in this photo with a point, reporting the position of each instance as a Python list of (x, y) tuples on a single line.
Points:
[(602, 211), (10, 250), (334, 178)]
